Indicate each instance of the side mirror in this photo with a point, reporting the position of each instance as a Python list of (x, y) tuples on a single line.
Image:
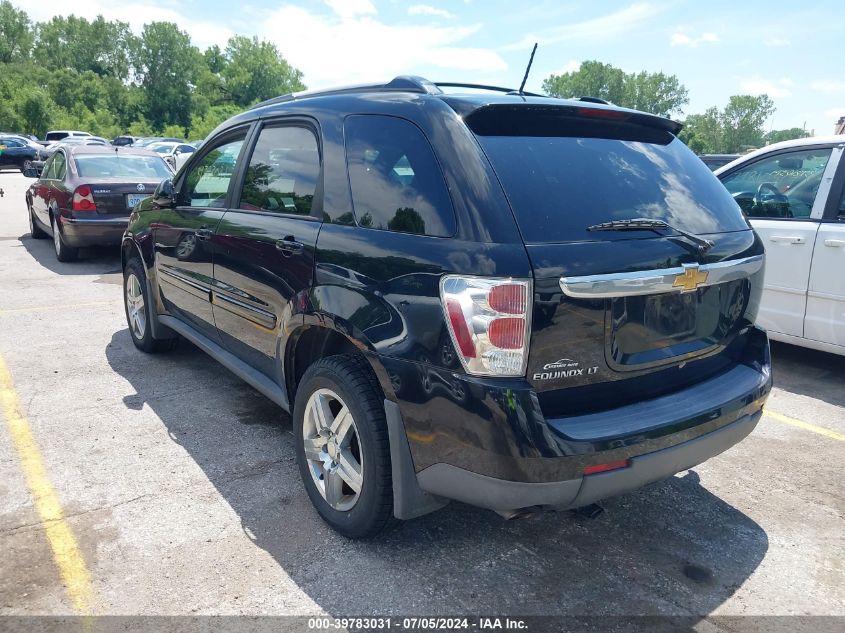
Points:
[(32, 172), (164, 196)]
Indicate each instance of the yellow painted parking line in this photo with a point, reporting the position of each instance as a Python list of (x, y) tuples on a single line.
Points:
[(834, 435), (60, 306), (66, 551)]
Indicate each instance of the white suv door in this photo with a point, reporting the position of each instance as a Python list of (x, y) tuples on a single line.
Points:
[(778, 193), (825, 322)]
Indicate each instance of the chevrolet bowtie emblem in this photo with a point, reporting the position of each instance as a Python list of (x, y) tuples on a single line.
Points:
[(691, 278)]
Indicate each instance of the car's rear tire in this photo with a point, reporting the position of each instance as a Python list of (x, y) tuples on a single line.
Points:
[(64, 253), (138, 307), (35, 231), (25, 165), (339, 416)]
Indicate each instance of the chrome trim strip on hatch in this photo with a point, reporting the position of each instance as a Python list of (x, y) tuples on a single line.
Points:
[(685, 278)]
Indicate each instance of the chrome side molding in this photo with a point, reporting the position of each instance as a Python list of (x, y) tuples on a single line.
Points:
[(686, 278)]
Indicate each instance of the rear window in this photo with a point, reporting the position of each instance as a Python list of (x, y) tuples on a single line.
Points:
[(122, 166), (558, 185)]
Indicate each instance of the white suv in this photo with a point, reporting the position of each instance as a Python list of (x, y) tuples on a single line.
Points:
[(793, 195)]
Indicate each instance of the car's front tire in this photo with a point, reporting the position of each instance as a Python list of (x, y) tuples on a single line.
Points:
[(342, 445), (64, 253), (138, 308)]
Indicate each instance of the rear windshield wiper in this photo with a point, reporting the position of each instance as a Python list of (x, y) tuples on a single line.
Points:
[(648, 224)]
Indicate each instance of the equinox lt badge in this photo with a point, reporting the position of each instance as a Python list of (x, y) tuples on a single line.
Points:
[(564, 368)]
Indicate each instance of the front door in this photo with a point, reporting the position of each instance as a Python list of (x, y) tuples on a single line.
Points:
[(184, 234), (265, 255), (778, 195)]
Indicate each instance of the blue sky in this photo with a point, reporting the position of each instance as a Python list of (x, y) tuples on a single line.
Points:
[(791, 51)]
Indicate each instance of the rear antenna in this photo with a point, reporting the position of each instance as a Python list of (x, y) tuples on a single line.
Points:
[(527, 70)]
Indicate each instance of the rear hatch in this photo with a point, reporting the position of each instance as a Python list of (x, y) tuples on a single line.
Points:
[(645, 310), (119, 181)]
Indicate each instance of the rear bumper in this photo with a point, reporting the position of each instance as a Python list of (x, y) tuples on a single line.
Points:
[(80, 232), (498, 494), (487, 442)]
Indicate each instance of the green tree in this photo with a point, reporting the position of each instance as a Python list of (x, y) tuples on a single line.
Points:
[(743, 121), (254, 71), (167, 65), (16, 34), (35, 110), (704, 131), (776, 136), (657, 93), (75, 43)]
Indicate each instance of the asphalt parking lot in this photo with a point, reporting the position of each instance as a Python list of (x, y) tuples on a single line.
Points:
[(177, 485)]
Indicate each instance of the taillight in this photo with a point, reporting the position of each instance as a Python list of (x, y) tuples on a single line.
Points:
[(488, 321), (83, 199)]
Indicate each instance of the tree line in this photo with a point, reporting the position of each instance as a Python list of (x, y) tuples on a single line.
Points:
[(99, 76)]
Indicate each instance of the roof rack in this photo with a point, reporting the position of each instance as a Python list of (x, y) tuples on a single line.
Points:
[(402, 83), (510, 91)]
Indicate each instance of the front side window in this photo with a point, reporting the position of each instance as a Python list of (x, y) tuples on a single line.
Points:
[(396, 182), (780, 186), (207, 184), (283, 171)]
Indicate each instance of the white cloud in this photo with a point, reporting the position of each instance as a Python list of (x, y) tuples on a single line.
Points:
[(835, 113), (351, 8), (679, 38), (362, 48), (829, 86), (772, 87), (601, 28), (571, 66), (137, 14), (424, 9), (776, 41)]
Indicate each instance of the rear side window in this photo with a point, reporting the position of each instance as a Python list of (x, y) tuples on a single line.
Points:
[(59, 167), (396, 182), (283, 171), (560, 184)]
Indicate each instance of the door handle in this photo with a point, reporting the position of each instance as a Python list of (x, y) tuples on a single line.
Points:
[(786, 239), (834, 243), (288, 246), (203, 233)]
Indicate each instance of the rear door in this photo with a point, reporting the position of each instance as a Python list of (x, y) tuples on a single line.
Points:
[(184, 243), (778, 193), (825, 321), (617, 306), (265, 243)]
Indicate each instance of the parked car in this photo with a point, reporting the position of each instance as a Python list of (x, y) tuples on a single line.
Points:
[(85, 193), (17, 153), (793, 193), (45, 152), (123, 141), (176, 154), (149, 140), (714, 161), (372, 260), (57, 135)]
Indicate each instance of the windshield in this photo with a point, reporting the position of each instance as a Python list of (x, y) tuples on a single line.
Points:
[(122, 166), (560, 185)]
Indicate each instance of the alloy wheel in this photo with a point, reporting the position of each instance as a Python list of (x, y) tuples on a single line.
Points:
[(333, 449), (135, 306)]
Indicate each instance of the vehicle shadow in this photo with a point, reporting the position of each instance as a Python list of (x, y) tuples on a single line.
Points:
[(93, 260), (807, 372), (673, 548)]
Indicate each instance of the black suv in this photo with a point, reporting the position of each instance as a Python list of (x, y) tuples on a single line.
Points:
[(513, 301)]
